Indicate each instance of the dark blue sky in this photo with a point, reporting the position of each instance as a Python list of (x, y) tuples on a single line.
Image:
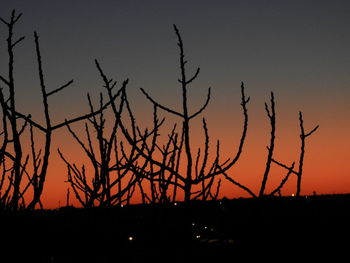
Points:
[(286, 46), (279, 45)]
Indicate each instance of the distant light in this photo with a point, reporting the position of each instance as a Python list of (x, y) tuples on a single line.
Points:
[(230, 241), (220, 203), (293, 195), (211, 229), (131, 238), (193, 224), (175, 204), (205, 227), (121, 205), (198, 236)]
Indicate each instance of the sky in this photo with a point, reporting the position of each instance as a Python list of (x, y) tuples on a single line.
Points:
[(297, 49)]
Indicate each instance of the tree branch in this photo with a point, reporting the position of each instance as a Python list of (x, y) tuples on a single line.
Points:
[(285, 179), (60, 88), (203, 107), (159, 105)]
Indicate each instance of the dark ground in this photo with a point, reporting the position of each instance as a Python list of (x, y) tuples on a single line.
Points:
[(284, 229)]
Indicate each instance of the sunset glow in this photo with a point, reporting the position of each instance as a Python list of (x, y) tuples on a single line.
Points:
[(299, 51)]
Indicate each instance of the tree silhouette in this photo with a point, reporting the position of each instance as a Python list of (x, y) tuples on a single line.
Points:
[(271, 114), (184, 115), (13, 197), (195, 173), (299, 172), (107, 176), (158, 167), (17, 171)]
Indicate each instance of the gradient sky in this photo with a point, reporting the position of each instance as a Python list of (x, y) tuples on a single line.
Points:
[(298, 49)]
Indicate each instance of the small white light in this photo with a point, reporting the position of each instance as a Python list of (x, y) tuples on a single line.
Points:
[(198, 236), (121, 205), (212, 229), (205, 227), (131, 238), (175, 204), (193, 224), (293, 195)]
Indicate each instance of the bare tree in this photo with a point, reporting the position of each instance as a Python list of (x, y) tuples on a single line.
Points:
[(167, 165), (195, 173), (11, 107), (184, 115), (103, 182), (5, 141), (18, 122), (271, 113), (299, 173), (106, 188)]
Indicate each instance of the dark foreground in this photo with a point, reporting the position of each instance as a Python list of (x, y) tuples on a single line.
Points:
[(241, 230)]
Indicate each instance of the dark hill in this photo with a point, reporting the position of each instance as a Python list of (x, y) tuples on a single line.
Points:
[(240, 230)]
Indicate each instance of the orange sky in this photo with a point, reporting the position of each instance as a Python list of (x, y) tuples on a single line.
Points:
[(325, 167)]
